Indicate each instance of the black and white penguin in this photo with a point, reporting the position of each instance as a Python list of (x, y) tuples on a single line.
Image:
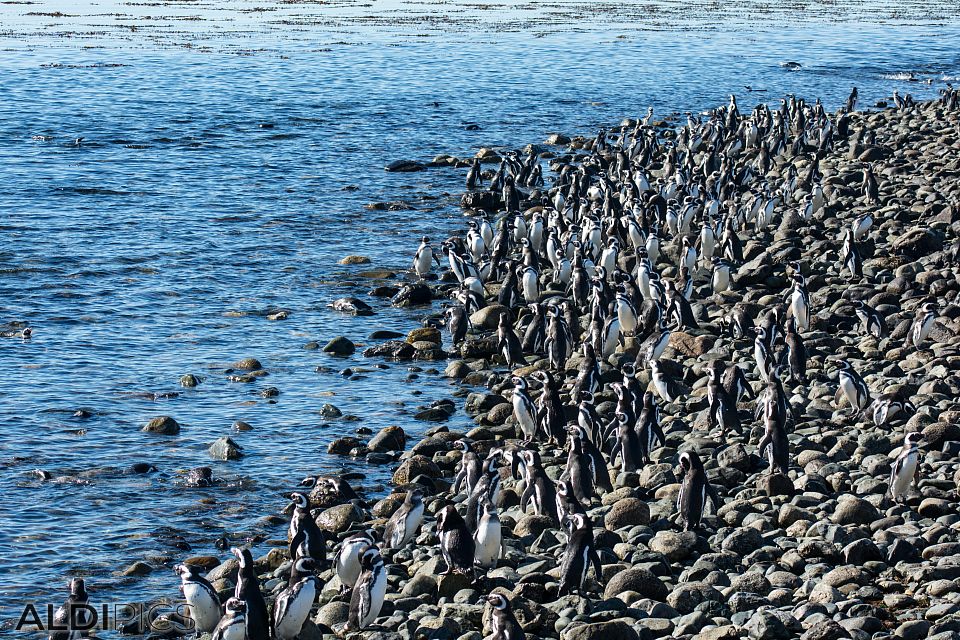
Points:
[(763, 353), (456, 543), (665, 386), (649, 432), (248, 592), (503, 623), (578, 555), (70, 612), (202, 599), (347, 559), (601, 475), (579, 470), (850, 255), (540, 490), (722, 407), (887, 407), (796, 353), (735, 382), (487, 486), (873, 322), (306, 538), (509, 343), (469, 470), (853, 388), (906, 468), (292, 606), (922, 324), (626, 445), (369, 592), (233, 624), (588, 374), (488, 536), (524, 409), (774, 445), (694, 491), (550, 407), (800, 302), (457, 323), (567, 503), (423, 259), (405, 522)]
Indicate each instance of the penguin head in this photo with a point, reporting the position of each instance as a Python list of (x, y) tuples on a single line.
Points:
[(519, 383), (236, 606), (370, 557), (186, 570), (425, 240), (913, 439), (300, 500), (77, 588), (929, 307), (305, 566), (244, 557), (498, 601)]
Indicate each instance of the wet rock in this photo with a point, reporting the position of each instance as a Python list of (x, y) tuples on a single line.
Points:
[(413, 467), (352, 305), (343, 446), (557, 139), (164, 425), (388, 439), (391, 349), (138, 569), (225, 449), (340, 346), (483, 200), (488, 317), (189, 381), (355, 260), (339, 518), (330, 411), (424, 334), (411, 295), (404, 166), (247, 364)]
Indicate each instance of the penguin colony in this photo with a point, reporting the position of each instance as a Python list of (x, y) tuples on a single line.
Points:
[(671, 388)]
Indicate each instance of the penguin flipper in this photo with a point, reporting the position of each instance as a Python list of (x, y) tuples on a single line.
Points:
[(597, 567)]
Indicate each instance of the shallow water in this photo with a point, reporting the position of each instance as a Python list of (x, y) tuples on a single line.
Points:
[(228, 153)]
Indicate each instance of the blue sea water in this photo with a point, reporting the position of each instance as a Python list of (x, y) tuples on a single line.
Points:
[(228, 153)]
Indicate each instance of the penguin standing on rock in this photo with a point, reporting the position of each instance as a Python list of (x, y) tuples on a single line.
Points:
[(368, 594), (503, 623), (456, 543), (488, 536), (524, 410), (694, 491), (774, 445), (872, 320), (405, 521), (292, 607), (202, 598), (579, 553), (248, 592), (233, 625), (922, 324), (853, 388), (347, 560), (306, 538), (471, 468), (906, 468)]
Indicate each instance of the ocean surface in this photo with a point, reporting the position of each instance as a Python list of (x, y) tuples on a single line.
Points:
[(227, 154)]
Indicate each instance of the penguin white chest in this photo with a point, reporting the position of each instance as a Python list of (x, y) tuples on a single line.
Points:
[(850, 391), (203, 610), (902, 480)]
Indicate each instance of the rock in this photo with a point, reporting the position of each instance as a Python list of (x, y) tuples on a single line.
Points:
[(853, 510), (918, 242), (610, 630), (627, 512), (339, 518), (912, 630), (689, 345), (225, 449), (424, 334), (330, 411), (638, 579), (388, 439), (743, 541), (676, 546), (448, 585), (333, 614), (776, 484), (413, 467), (340, 346), (189, 381), (138, 569), (726, 632), (557, 139), (825, 630), (411, 295), (939, 433), (343, 446), (735, 457), (686, 596), (355, 260), (488, 317), (483, 200), (164, 425), (532, 525), (765, 625), (247, 364), (391, 349), (352, 305), (404, 166)]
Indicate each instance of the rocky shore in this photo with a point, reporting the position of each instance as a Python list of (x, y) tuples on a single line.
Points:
[(858, 209)]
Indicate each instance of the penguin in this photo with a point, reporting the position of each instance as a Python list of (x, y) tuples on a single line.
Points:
[(487, 538), (800, 302), (567, 503), (474, 175), (735, 383), (626, 445), (369, 592), (423, 259), (922, 324), (861, 226), (906, 468), (202, 599), (347, 559), (306, 538), (469, 471), (694, 491), (405, 521), (549, 407), (233, 625), (887, 407), (509, 344), (457, 323), (524, 410), (853, 388), (578, 555), (850, 255), (796, 353), (873, 322), (720, 279), (503, 623), (664, 385), (558, 342), (763, 353), (722, 407), (248, 592), (456, 544), (72, 611), (601, 474), (488, 485), (774, 445), (588, 375), (579, 471), (540, 489), (292, 607), (649, 431)]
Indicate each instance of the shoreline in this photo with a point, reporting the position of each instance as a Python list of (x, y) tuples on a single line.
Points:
[(647, 541)]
